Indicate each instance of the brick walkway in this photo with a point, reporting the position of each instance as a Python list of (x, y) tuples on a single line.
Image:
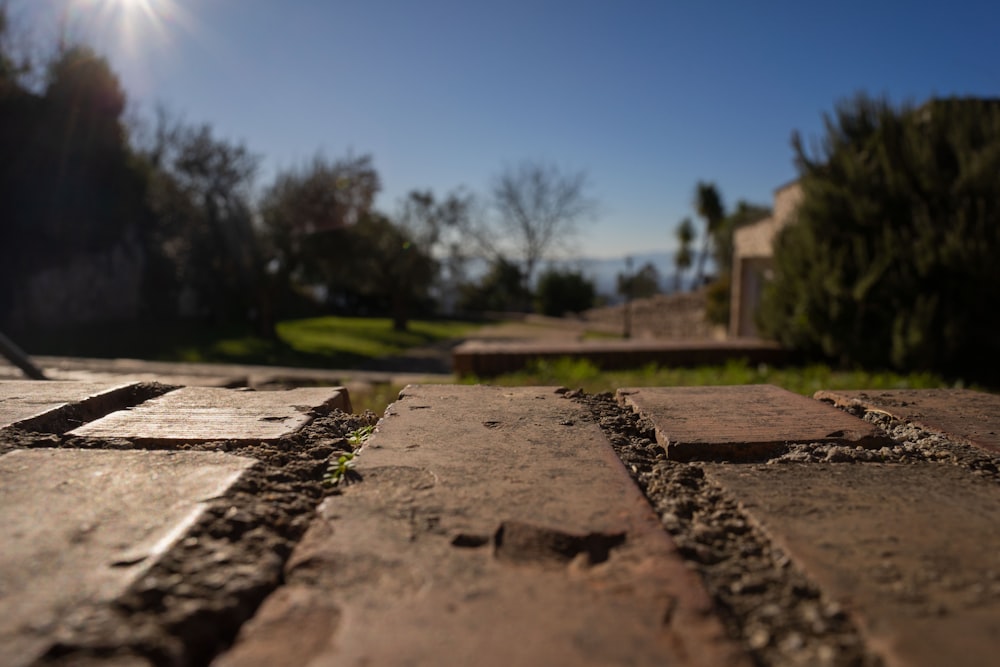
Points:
[(146, 524)]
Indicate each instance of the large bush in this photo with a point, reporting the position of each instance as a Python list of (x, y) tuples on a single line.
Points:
[(500, 290), (895, 255), (561, 292)]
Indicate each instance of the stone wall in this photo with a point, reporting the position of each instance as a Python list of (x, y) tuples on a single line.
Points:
[(666, 316), (95, 287)]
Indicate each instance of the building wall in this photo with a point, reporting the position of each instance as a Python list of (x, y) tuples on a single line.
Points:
[(786, 200), (753, 248)]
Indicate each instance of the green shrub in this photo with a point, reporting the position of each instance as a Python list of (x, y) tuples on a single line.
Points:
[(561, 292), (893, 259), (717, 300)]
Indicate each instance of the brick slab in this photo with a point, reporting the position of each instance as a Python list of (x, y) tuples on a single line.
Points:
[(913, 552), (41, 406), (968, 416), (201, 414), (79, 526), (742, 422), (492, 526)]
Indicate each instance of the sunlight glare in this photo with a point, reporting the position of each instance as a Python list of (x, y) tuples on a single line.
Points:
[(132, 23), (140, 36)]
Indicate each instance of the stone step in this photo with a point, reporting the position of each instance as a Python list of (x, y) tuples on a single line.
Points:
[(742, 422), (971, 417), (490, 526), (80, 526), (202, 414), (56, 407)]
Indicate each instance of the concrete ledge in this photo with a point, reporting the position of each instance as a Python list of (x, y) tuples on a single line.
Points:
[(486, 359)]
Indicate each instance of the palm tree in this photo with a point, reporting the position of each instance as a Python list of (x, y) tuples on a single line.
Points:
[(708, 204), (683, 258)]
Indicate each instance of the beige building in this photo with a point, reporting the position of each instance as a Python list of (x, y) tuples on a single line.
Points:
[(753, 249)]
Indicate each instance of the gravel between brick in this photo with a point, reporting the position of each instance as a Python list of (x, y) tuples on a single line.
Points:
[(764, 601), (912, 444)]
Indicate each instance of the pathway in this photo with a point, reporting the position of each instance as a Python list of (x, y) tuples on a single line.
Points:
[(147, 524)]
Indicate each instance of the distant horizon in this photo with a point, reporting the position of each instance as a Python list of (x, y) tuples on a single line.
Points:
[(646, 98)]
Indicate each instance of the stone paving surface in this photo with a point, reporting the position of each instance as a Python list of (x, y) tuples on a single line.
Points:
[(79, 526), (209, 374), (913, 551), (970, 416), (745, 422), (200, 414), (487, 525), (493, 527), (36, 404)]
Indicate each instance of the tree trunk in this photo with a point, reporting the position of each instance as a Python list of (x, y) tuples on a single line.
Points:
[(699, 280), (400, 321)]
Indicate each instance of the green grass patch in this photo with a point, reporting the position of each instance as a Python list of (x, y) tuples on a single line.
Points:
[(583, 374), (322, 342), (366, 338), (375, 397)]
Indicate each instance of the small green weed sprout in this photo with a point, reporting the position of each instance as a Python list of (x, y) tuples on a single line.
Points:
[(338, 471), (360, 437)]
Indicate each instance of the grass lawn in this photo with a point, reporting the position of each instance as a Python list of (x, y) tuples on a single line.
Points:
[(582, 374), (365, 338), (321, 342)]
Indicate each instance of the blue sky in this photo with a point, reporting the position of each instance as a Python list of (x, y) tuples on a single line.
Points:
[(646, 97)]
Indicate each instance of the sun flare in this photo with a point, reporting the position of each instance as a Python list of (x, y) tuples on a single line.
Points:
[(139, 37), (132, 23)]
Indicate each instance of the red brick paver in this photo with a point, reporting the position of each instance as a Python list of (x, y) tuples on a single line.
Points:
[(969, 416), (911, 551), (200, 414), (78, 526), (492, 526), (37, 405), (698, 423)]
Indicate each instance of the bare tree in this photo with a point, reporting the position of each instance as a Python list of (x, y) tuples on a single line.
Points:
[(539, 207), (442, 228)]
